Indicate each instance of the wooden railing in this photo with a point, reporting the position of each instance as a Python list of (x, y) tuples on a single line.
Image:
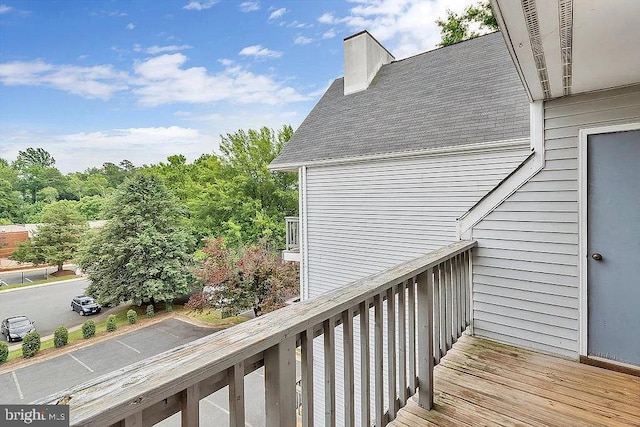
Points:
[(292, 233), (427, 302)]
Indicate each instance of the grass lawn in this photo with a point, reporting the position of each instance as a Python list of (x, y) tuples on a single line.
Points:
[(39, 282), (208, 316)]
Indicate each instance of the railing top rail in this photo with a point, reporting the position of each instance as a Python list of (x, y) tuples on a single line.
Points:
[(291, 218), (114, 396)]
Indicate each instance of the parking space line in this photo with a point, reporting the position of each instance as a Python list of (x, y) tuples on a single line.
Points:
[(168, 333), (128, 346), (80, 362), (226, 411), (15, 380)]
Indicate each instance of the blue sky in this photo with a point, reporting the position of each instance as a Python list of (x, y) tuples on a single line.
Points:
[(96, 81)]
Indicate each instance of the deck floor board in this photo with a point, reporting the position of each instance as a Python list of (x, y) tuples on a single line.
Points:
[(483, 383)]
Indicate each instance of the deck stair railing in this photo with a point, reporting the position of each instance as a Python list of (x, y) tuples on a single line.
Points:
[(292, 240), (428, 302)]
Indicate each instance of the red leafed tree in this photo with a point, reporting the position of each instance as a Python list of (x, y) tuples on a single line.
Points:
[(251, 277)]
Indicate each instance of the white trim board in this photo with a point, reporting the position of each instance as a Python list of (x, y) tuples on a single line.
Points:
[(583, 134), (437, 151), (510, 185), (304, 239)]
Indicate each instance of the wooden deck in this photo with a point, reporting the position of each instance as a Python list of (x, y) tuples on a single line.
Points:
[(483, 383)]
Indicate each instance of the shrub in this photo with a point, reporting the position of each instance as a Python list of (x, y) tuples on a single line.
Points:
[(4, 352), (111, 323), (150, 312), (88, 329), (197, 301), (30, 344), (60, 337), (168, 306), (132, 316)]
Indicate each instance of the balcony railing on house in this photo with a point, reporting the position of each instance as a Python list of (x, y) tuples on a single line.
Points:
[(292, 243), (422, 305)]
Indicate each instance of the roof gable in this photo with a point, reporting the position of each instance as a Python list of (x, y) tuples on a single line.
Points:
[(462, 94)]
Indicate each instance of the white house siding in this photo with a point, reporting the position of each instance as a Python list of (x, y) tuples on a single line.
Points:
[(363, 218), (526, 271)]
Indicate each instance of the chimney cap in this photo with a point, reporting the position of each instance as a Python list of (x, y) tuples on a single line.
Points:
[(373, 38)]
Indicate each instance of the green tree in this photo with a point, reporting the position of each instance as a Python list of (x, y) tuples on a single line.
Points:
[(36, 170), (57, 238), (241, 199), (457, 27), (10, 199), (35, 157), (142, 253)]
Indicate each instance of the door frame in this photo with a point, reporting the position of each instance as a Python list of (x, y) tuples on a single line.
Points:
[(583, 134)]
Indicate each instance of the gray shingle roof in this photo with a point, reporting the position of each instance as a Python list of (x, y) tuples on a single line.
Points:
[(462, 94)]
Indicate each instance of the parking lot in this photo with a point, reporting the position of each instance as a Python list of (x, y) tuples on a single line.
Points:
[(38, 380)]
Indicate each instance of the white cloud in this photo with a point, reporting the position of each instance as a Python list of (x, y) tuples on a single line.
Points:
[(277, 14), (200, 5), (130, 26), (296, 24), (406, 27), (99, 81), (250, 6), (329, 34), (326, 18), (5, 9), (258, 51), (139, 145), (163, 80), (154, 50), (302, 40)]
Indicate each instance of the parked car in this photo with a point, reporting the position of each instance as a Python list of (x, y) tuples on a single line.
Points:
[(15, 328), (85, 305)]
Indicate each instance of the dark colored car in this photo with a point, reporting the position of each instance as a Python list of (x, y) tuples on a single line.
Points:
[(15, 328), (85, 305)]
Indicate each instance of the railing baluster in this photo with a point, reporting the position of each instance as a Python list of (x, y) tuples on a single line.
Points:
[(391, 352), (436, 313), (456, 300), (378, 362), (365, 393), (306, 353), (465, 291), (425, 341), (236, 395), (402, 345), (190, 406), (412, 336), (134, 420), (444, 310), (467, 274), (329, 373), (349, 389), (449, 305), (463, 302), (280, 384)]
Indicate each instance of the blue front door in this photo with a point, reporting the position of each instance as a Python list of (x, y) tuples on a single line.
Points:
[(613, 245)]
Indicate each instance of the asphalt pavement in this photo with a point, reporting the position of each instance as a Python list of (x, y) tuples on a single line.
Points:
[(39, 380), (48, 305), (26, 276)]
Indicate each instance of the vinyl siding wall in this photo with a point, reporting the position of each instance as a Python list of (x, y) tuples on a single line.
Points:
[(526, 267), (364, 218)]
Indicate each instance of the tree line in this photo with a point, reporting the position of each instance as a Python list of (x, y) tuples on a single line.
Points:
[(160, 220)]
